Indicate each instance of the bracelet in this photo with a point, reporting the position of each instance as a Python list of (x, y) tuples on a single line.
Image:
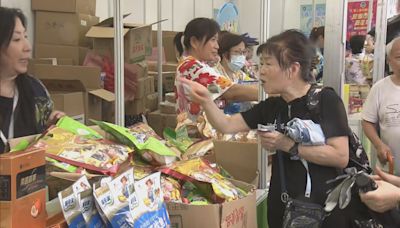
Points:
[(294, 150)]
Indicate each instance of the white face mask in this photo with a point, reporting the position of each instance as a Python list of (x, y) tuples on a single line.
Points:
[(237, 62)]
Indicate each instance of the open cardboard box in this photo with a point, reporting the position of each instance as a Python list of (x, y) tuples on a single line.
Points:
[(137, 39), (240, 159), (234, 214), (70, 6), (76, 79)]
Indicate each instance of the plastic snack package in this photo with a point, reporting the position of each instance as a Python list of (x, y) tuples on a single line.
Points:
[(73, 126), (101, 155), (171, 189), (151, 148), (88, 209), (199, 170), (99, 187), (122, 191), (178, 138), (198, 149), (70, 207), (152, 211), (104, 202), (192, 195)]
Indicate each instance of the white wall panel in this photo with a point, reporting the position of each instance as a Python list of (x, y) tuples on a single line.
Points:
[(183, 13), (203, 8), (166, 13), (136, 8), (25, 6)]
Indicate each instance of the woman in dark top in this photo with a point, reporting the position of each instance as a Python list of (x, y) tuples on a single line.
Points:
[(25, 105), (285, 63)]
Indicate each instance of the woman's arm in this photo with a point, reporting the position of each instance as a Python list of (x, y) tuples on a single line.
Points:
[(216, 117), (335, 153), (239, 92)]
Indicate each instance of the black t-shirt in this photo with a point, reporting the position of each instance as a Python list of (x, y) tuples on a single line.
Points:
[(333, 123), (6, 104)]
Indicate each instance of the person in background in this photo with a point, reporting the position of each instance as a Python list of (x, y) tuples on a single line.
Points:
[(354, 65), (380, 114), (25, 105), (369, 45), (250, 68), (317, 37), (232, 52), (200, 43), (285, 69)]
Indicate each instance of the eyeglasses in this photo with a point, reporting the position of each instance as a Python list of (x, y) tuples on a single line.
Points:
[(236, 52)]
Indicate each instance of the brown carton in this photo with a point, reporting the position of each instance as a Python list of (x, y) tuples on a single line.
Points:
[(168, 45), (166, 67), (22, 189), (76, 53), (52, 61), (168, 80), (170, 97), (137, 39), (76, 79), (71, 103), (240, 159), (236, 214), (63, 28), (167, 107), (70, 6), (135, 107), (144, 88), (152, 102)]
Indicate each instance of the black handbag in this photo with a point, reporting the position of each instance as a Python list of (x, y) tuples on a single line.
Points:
[(298, 214)]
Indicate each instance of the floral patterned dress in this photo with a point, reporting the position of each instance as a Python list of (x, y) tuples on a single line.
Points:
[(202, 73)]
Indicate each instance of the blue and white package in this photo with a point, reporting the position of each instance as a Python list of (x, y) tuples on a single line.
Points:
[(152, 211), (89, 211), (70, 207), (305, 132), (101, 193), (121, 187)]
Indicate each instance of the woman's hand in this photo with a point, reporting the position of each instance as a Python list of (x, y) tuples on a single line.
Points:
[(395, 180), (275, 141), (384, 198), (54, 117), (195, 91)]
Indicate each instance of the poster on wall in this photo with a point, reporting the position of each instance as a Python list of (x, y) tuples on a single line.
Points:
[(228, 17), (306, 17), (357, 18)]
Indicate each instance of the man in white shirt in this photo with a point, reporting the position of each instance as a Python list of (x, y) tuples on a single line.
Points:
[(383, 107)]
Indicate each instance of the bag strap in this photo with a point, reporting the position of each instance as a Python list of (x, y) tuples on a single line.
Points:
[(284, 193)]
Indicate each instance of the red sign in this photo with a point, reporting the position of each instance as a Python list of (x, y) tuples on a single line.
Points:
[(357, 18)]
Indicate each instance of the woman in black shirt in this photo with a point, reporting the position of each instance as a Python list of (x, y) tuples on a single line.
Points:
[(285, 63), (25, 105)]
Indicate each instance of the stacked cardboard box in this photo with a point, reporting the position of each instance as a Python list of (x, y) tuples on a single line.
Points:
[(60, 28), (165, 116)]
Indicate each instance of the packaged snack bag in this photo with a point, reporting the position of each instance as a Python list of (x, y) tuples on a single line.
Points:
[(179, 138), (122, 191), (199, 170), (193, 195), (198, 149), (152, 211), (146, 141), (171, 189), (73, 126), (104, 202), (88, 209), (70, 207), (96, 187), (98, 155)]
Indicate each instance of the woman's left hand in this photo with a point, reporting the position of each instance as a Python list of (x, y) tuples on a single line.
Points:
[(275, 141), (54, 117)]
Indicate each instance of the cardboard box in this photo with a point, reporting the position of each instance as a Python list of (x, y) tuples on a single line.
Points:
[(236, 214), (168, 81), (240, 159), (52, 61), (167, 107), (76, 79), (70, 6), (170, 97), (76, 53), (144, 88), (158, 121), (135, 107), (152, 102), (63, 28), (22, 189), (137, 39), (70, 103), (166, 67), (168, 45)]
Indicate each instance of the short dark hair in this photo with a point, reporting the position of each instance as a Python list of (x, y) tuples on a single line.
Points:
[(7, 24), (288, 47), (316, 32), (228, 40), (357, 43), (200, 28)]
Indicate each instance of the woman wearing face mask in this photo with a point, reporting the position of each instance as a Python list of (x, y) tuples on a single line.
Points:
[(198, 45), (25, 105), (232, 51)]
